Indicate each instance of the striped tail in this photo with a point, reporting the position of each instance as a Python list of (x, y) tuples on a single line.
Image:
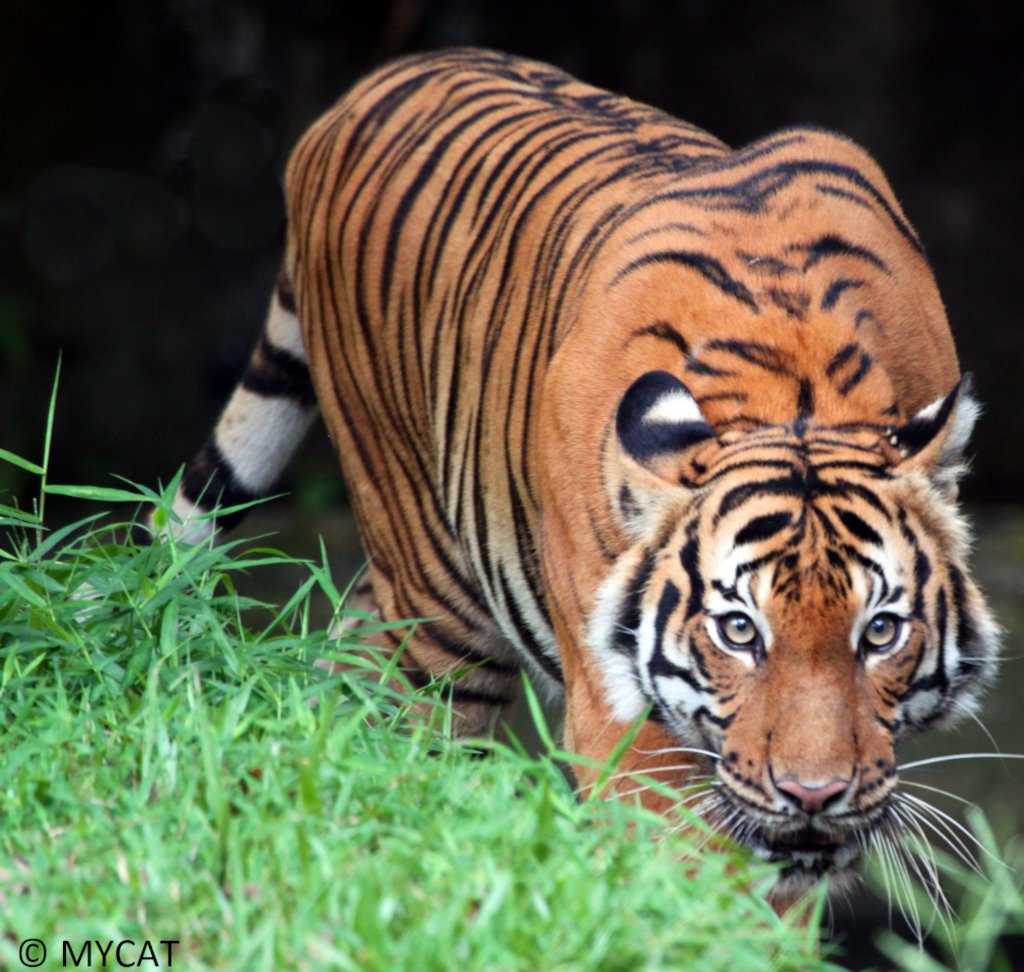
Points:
[(257, 434)]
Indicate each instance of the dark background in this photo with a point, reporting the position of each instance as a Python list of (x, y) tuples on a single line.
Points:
[(141, 209)]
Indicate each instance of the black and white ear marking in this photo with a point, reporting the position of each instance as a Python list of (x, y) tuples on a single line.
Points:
[(658, 416), (936, 437)]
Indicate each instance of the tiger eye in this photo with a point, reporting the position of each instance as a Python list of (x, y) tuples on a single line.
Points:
[(737, 630), (881, 632)]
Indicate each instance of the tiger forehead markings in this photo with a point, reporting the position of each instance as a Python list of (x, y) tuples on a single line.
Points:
[(676, 426)]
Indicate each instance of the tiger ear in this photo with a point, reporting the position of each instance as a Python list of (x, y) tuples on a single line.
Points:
[(933, 441), (657, 420)]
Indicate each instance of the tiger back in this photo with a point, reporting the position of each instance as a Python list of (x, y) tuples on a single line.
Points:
[(675, 426)]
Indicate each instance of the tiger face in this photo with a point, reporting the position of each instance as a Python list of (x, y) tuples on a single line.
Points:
[(797, 601)]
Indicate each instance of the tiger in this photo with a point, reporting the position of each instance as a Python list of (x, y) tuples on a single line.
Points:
[(676, 428)]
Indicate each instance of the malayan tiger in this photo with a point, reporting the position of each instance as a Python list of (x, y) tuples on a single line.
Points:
[(676, 427)]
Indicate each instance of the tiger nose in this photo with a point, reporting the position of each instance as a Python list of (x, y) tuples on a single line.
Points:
[(811, 799)]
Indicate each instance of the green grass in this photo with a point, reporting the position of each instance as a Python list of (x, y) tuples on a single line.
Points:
[(173, 767), (166, 774)]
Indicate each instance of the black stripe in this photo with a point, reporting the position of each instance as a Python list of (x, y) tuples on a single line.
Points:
[(733, 396), (666, 332), (702, 666), (765, 265), (762, 528), (836, 289), (209, 481), (751, 464), (794, 304), (723, 722), (629, 616), (697, 367), (285, 293), (276, 373), (843, 194), (550, 666), (464, 653), (707, 266), (805, 400), (667, 604), (478, 149), (689, 557), (941, 622), (840, 566), (863, 367), (753, 193), (892, 725), (858, 527), (424, 174), (966, 628), (761, 355), (876, 470), (660, 666), (922, 572), (498, 164), (840, 358), (794, 485), (831, 245)]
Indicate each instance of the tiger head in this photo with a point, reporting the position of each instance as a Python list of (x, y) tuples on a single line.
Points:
[(796, 601)]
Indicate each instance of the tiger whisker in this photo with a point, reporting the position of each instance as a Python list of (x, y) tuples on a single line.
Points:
[(706, 805), (700, 804), (623, 794), (635, 771), (955, 756), (952, 821), (942, 824), (876, 842), (966, 710), (641, 787), (671, 767), (920, 854), (650, 771), (642, 771), (702, 811), (680, 749), (900, 862), (721, 817), (949, 840), (900, 884), (732, 824), (937, 789)]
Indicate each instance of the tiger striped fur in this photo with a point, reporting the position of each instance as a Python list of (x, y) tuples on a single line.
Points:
[(676, 427)]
